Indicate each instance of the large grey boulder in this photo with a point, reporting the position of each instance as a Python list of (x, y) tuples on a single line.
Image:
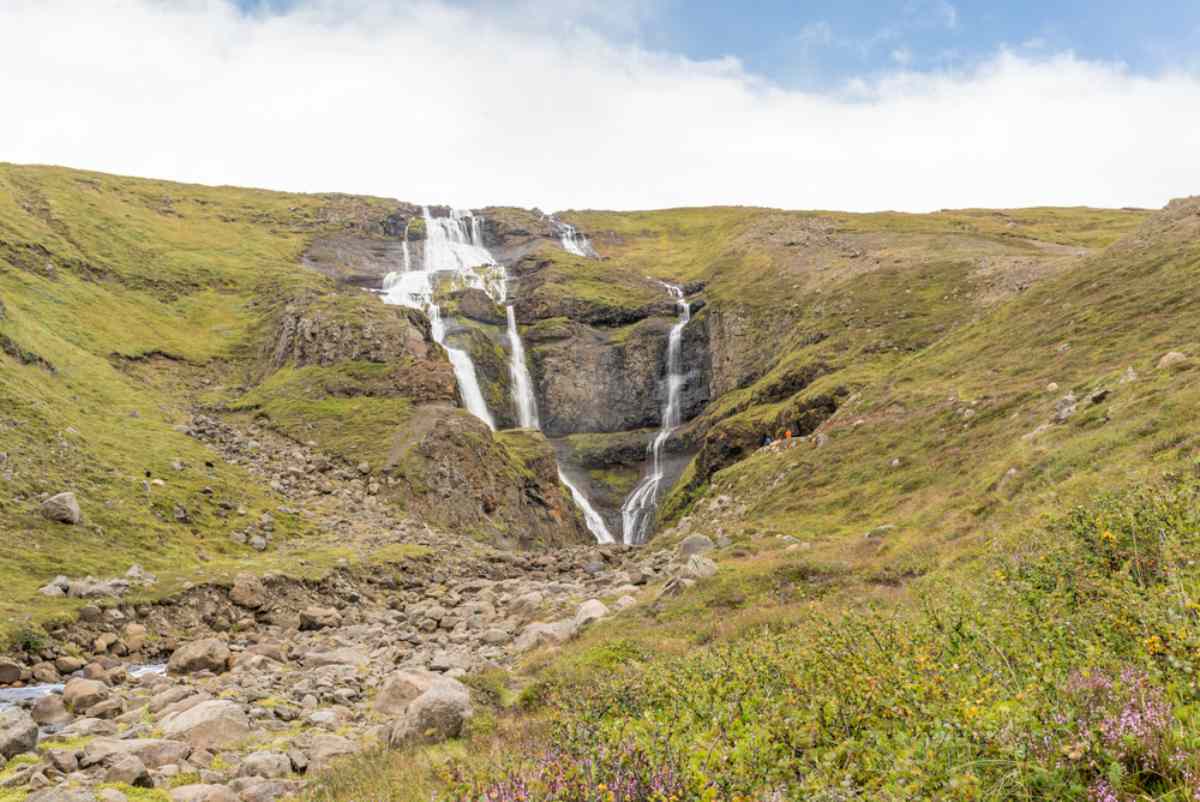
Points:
[(18, 733), (268, 765), (63, 509), (203, 793), (153, 752), (248, 591), (209, 725), (436, 715), (81, 694), (313, 618), (210, 654), (61, 794), (1172, 359), (537, 634), (588, 612), (401, 688), (345, 656), (10, 672), (694, 544), (326, 749), (127, 770)]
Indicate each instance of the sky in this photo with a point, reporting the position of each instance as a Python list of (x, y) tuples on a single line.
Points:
[(627, 104)]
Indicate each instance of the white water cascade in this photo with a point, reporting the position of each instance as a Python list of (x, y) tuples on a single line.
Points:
[(527, 416), (522, 384), (595, 523), (572, 241), (452, 245), (637, 513)]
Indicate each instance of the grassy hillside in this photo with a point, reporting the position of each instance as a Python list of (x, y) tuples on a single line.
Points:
[(974, 580), (125, 305)]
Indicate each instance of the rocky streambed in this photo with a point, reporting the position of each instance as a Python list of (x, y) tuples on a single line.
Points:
[(270, 680)]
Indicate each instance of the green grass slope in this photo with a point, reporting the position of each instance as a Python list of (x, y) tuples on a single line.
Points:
[(125, 304), (958, 588)]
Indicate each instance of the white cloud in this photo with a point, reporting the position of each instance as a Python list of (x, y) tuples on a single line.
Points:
[(902, 56), (433, 104)]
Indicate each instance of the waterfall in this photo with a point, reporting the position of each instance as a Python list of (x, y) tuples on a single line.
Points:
[(452, 245), (637, 513), (404, 247), (572, 241), (406, 266), (595, 523), (522, 384), (527, 417)]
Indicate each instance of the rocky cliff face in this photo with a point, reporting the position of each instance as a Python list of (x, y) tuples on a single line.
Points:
[(501, 489)]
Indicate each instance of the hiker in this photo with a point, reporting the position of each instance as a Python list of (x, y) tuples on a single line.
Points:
[(766, 440)]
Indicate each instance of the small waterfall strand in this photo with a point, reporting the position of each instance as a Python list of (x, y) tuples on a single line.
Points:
[(637, 513)]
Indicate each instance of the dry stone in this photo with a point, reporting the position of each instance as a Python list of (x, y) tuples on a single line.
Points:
[(18, 733), (63, 509), (81, 694), (210, 654), (436, 715), (209, 725)]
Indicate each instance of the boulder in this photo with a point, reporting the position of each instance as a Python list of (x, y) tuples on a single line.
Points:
[(18, 733), (313, 618), (268, 765), (495, 637), (256, 790), (64, 760), (63, 509), (209, 725), (528, 603), (153, 752), (61, 794), (538, 633), (10, 672), (591, 610), (346, 656), (401, 688), (203, 793), (81, 694), (127, 770), (135, 637), (248, 592), (699, 568), (68, 665), (326, 749), (436, 715), (50, 711), (87, 728), (210, 654), (1172, 359), (694, 544)]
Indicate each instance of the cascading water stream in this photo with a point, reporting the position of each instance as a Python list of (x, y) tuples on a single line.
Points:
[(637, 513), (522, 384), (572, 241), (454, 245), (595, 523), (527, 417)]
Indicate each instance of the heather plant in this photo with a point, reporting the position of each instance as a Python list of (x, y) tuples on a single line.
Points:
[(1065, 671)]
